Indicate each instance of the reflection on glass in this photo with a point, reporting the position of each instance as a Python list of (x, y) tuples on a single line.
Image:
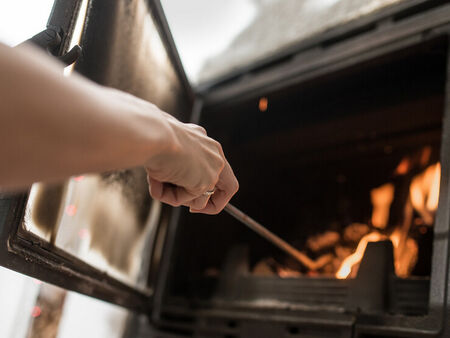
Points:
[(109, 220), (43, 210), (106, 220)]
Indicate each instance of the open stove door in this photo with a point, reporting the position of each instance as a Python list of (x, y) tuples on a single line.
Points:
[(126, 45)]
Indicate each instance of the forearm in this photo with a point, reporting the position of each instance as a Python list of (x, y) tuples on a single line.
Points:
[(52, 127)]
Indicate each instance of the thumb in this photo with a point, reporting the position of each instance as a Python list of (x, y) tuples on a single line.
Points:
[(155, 188)]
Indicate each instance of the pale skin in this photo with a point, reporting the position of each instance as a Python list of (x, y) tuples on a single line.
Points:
[(53, 127)]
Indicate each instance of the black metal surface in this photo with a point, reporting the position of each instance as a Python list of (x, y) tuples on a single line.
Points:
[(332, 36), (426, 316), (314, 62), (31, 256), (118, 51), (322, 294), (63, 18), (369, 290), (314, 46), (50, 40), (436, 323), (376, 289)]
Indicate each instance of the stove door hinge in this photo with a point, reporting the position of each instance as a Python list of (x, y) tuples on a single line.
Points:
[(50, 40)]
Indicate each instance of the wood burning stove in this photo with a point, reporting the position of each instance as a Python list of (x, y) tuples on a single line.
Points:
[(347, 129)]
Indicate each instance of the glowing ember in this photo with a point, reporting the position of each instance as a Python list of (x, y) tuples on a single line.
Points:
[(71, 210), (425, 156), (403, 167), (263, 104), (405, 254), (36, 312), (78, 178)]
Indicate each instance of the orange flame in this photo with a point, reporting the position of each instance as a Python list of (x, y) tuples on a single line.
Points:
[(405, 253), (381, 198), (424, 192), (424, 197), (403, 167), (348, 263), (433, 197)]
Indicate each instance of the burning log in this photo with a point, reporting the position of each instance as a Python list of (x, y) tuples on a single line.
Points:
[(264, 268), (355, 231), (323, 241), (412, 198)]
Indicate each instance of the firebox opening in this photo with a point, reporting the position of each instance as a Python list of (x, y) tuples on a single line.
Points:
[(329, 165)]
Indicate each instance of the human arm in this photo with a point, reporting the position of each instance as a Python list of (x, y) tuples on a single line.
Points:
[(52, 127)]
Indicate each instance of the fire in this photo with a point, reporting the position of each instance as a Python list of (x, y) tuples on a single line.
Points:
[(405, 253), (433, 196), (423, 198), (403, 167), (263, 104), (381, 200), (348, 263), (415, 201), (424, 192)]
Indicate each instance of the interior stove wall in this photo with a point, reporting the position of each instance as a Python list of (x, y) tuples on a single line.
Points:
[(359, 123)]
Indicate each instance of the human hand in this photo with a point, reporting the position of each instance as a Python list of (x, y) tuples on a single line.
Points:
[(194, 165)]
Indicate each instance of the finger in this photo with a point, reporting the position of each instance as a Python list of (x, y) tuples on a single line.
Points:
[(155, 188), (199, 202), (211, 207), (170, 194), (226, 187), (197, 127)]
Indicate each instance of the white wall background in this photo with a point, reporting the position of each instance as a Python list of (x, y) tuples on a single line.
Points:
[(203, 28), (21, 19)]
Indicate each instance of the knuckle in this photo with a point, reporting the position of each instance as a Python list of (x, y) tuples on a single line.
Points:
[(220, 162), (201, 129), (201, 187), (219, 146), (197, 128), (236, 187), (199, 203)]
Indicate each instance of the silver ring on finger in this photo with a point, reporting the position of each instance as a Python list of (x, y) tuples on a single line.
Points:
[(209, 192)]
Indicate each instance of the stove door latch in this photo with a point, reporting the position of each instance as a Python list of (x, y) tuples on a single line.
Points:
[(50, 40)]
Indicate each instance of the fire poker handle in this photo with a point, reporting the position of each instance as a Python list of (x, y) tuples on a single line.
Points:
[(274, 239)]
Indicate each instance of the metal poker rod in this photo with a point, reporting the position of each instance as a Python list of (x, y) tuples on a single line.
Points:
[(274, 239)]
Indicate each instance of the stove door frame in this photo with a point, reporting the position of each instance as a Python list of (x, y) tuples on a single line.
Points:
[(25, 252)]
